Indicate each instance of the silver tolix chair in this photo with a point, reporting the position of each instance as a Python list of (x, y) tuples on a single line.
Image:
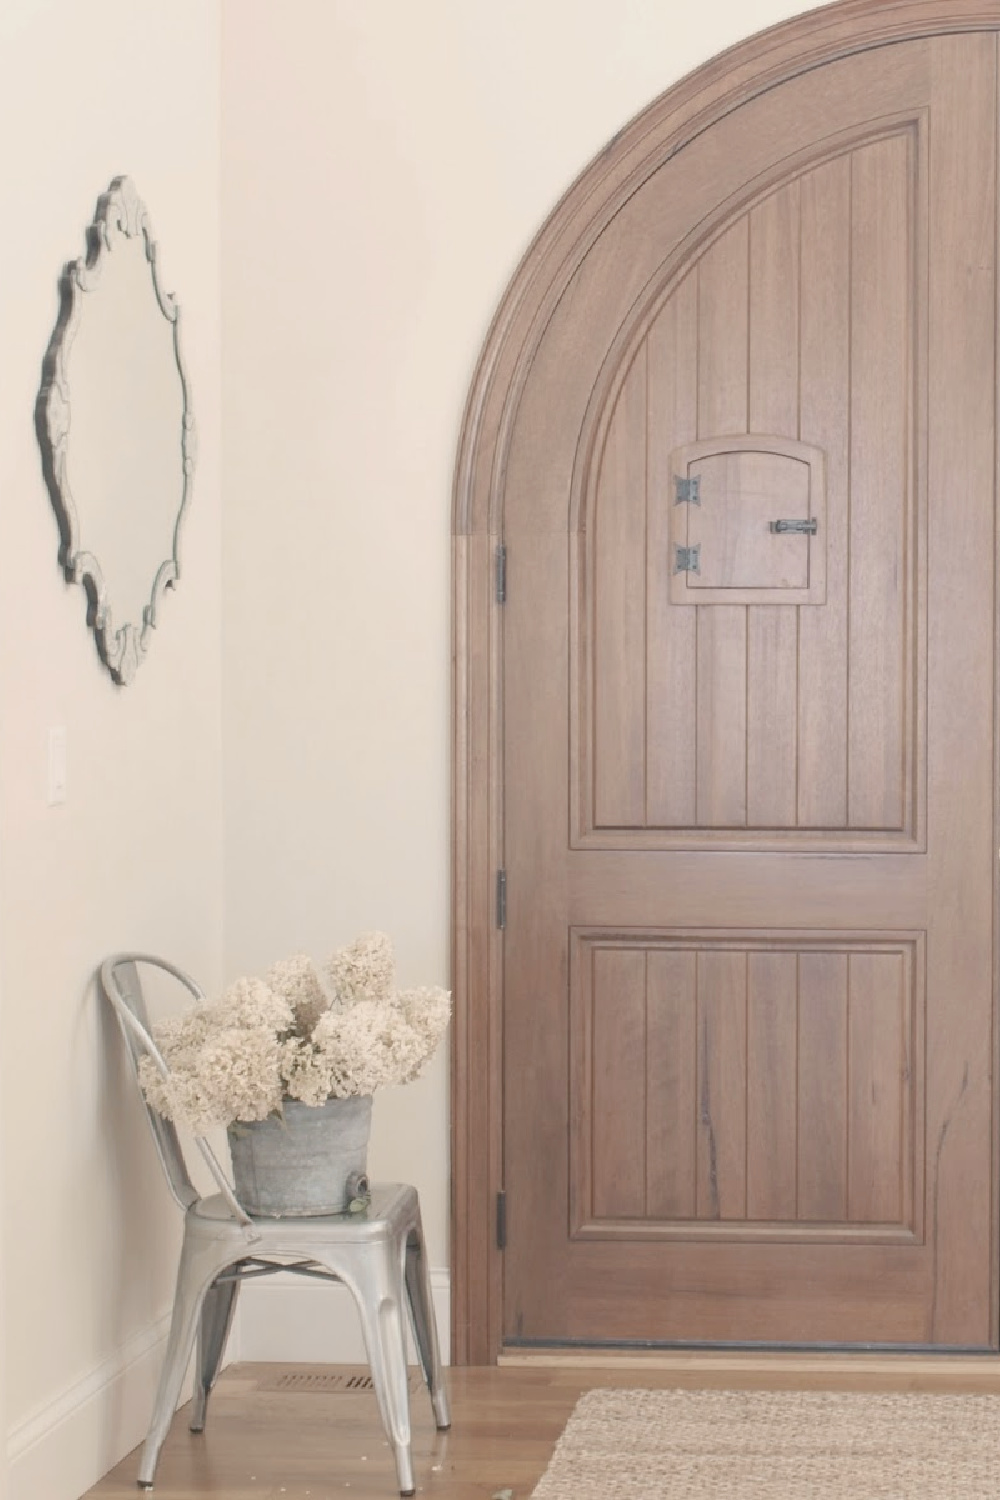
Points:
[(378, 1254)]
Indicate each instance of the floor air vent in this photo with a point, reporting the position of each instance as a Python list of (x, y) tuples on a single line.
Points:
[(327, 1382)]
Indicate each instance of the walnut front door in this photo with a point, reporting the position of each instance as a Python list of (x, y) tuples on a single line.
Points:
[(747, 672)]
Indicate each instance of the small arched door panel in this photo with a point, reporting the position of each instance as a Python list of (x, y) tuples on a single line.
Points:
[(748, 522)]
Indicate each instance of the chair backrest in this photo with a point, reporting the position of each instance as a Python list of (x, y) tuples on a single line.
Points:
[(121, 982)]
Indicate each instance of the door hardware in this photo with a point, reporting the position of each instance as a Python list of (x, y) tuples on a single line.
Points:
[(794, 528), (500, 575)]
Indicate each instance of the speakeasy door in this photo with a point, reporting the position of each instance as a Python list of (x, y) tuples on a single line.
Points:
[(746, 734)]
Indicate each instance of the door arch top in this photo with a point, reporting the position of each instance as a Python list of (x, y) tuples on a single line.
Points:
[(660, 131)]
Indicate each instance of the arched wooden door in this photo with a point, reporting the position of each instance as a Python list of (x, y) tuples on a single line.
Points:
[(738, 438)]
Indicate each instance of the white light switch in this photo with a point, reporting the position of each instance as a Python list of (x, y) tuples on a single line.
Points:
[(57, 765)]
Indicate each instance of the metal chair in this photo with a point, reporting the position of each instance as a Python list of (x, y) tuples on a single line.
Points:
[(378, 1254)]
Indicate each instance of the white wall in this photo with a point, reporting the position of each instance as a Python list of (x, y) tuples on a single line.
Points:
[(384, 168), (134, 858)]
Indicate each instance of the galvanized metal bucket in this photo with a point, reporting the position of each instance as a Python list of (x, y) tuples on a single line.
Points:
[(310, 1162)]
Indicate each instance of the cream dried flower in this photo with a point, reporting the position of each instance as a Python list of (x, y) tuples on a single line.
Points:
[(373, 1043), (226, 1073), (428, 1010), (252, 1005), (306, 1072), (364, 970), (240, 1070), (297, 981), (180, 1097), (176, 1035), (354, 1043)]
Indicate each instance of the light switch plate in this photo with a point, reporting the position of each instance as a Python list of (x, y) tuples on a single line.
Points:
[(57, 765)]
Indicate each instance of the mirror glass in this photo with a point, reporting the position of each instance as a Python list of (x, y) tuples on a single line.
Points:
[(116, 430)]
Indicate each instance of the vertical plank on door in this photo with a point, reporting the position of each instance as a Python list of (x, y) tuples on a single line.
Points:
[(772, 702), (825, 384), (881, 377), (672, 363), (774, 314), (722, 1084), (772, 633), (723, 352), (877, 1059), (620, 612), (821, 1131), (723, 333), (671, 1084), (722, 716), (618, 1111), (772, 1044)]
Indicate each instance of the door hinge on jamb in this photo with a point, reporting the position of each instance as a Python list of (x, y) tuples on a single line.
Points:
[(501, 1220), (501, 573), (501, 898)]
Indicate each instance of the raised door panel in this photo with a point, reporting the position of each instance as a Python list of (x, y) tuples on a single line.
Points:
[(749, 644), (755, 1085)]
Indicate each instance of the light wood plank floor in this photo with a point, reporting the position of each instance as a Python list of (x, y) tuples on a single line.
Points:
[(265, 1443)]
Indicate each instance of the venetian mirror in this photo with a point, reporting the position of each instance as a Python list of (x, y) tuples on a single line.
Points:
[(114, 423)]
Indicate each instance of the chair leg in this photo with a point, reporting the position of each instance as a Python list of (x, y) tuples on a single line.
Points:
[(213, 1332), (419, 1295), (195, 1275), (375, 1278)]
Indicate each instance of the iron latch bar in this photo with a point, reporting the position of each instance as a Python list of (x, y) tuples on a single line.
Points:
[(794, 528)]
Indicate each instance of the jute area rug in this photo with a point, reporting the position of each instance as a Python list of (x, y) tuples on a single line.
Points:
[(782, 1445)]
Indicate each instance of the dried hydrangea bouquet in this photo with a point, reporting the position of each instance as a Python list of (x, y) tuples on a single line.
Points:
[(289, 1063)]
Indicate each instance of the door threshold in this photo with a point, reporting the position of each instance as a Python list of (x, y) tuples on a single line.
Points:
[(946, 1365)]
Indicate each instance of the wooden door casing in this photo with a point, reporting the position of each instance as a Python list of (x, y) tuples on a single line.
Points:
[(865, 914)]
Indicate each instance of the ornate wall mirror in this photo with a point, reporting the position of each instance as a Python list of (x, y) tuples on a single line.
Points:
[(115, 427)]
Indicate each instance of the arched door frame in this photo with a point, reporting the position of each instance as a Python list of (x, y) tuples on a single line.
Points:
[(686, 110)]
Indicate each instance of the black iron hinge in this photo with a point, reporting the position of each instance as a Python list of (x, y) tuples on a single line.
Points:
[(501, 573), (687, 559), (501, 1220)]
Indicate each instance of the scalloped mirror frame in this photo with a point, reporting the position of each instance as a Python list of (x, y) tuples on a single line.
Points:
[(119, 212)]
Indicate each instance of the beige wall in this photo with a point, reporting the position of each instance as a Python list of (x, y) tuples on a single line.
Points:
[(134, 856), (384, 168)]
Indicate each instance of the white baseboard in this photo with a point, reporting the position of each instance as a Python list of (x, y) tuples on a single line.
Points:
[(68, 1444), (293, 1319)]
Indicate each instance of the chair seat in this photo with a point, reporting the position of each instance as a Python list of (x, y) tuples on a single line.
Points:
[(389, 1203)]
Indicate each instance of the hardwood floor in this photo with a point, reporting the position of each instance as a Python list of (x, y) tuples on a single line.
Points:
[(309, 1441)]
